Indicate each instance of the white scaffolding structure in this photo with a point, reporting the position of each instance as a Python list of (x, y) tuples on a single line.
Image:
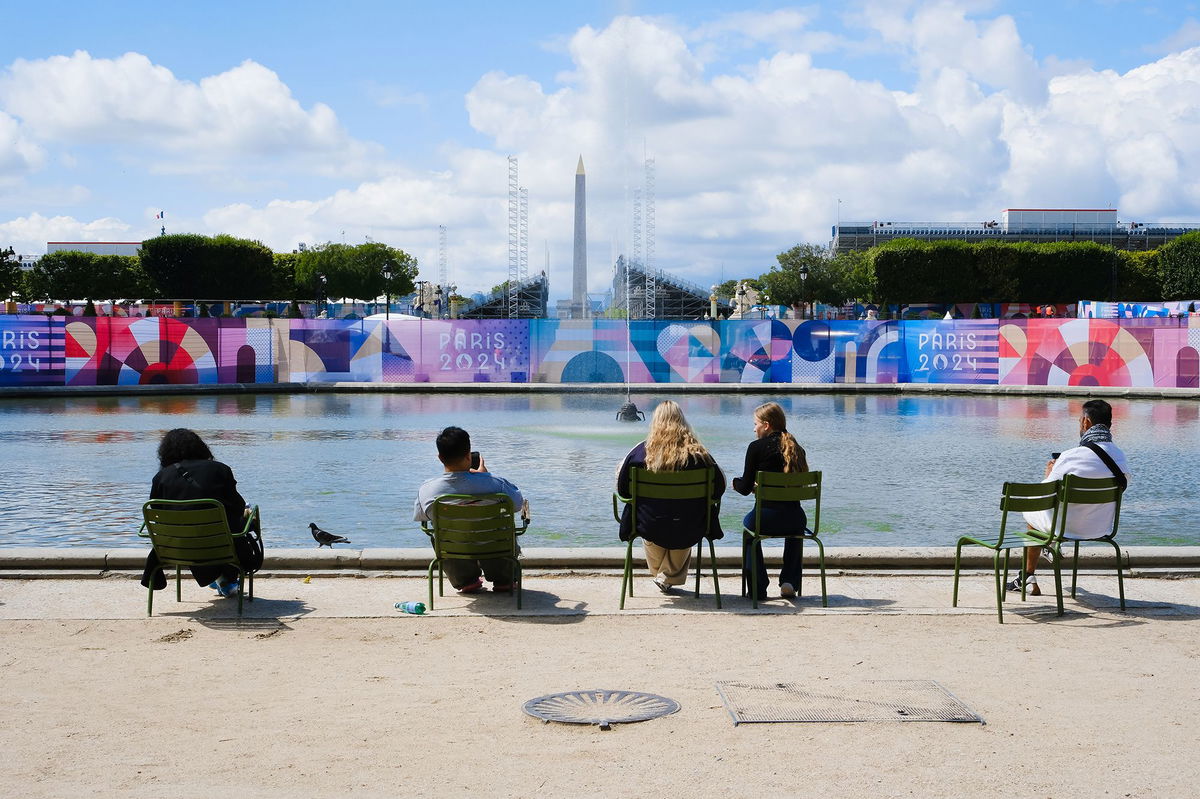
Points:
[(443, 264), (650, 295), (523, 237), (514, 239)]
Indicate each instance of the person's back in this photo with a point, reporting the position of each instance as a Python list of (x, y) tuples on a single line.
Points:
[(1089, 521)]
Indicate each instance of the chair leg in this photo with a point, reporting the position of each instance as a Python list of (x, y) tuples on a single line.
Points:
[(1056, 560), (429, 579), (957, 560), (821, 565), (517, 570), (999, 582), (150, 599), (699, 564), (250, 579), (712, 555), (754, 544), (178, 585), (800, 571), (241, 592), (627, 574), (441, 579), (1074, 569), (1120, 577)]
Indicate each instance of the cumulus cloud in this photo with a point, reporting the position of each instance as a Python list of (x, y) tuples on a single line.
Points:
[(29, 234), (244, 113), (19, 155)]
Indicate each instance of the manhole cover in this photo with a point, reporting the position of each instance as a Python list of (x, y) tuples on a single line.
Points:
[(600, 707), (870, 700)]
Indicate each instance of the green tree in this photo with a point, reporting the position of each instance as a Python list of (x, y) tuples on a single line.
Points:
[(223, 267), (75, 275), (1138, 276), (355, 271), (855, 276), (821, 283), (1179, 267), (284, 275)]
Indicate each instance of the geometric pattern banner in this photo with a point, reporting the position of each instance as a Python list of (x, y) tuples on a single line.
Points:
[(109, 351)]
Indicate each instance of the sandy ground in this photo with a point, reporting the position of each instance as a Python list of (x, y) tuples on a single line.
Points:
[(300, 699)]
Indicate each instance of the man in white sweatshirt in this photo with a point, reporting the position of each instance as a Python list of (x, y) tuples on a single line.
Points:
[(1084, 521)]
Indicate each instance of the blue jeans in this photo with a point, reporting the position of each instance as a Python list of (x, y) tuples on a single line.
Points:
[(776, 521)]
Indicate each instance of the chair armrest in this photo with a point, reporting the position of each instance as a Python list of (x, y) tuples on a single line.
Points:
[(616, 496), (142, 531), (251, 518), (524, 526), (426, 529)]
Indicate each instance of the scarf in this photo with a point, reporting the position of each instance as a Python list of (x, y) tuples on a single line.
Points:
[(1096, 434)]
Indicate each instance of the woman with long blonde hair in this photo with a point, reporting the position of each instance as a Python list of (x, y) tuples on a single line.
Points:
[(669, 528), (774, 449)]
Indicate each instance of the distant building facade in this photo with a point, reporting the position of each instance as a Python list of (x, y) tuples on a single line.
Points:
[(1100, 225)]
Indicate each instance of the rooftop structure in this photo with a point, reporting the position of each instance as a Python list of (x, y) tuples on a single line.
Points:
[(1100, 225), (674, 297), (532, 296)]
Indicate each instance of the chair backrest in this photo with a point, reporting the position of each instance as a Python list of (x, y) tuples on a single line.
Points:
[(1029, 497), (790, 487), (1078, 490), (189, 532), (474, 526), (695, 484)]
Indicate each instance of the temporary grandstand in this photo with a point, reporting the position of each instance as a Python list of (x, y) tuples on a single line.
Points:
[(533, 294), (1100, 225), (655, 294)]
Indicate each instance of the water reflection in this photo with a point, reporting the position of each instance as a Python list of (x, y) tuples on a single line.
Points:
[(899, 469)]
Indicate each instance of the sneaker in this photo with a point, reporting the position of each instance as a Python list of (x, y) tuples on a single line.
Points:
[(1031, 585), (663, 585), (472, 588), (228, 590), (787, 590)]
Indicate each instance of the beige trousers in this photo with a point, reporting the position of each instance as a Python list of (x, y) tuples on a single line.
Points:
[(672, 564)]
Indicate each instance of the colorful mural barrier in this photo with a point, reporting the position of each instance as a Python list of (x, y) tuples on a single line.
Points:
[(103, 351)]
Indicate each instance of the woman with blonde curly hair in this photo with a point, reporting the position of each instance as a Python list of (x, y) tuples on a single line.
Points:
[(669, 528), (774, 450)]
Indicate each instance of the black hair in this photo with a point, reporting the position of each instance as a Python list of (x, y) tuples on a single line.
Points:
[(1098, 412), (182, 444), (453, 444)]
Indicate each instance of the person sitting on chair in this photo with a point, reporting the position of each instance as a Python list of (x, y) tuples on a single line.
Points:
[(461, 477), (669, 527), (774, 450), (188, 471), (1083, 521)]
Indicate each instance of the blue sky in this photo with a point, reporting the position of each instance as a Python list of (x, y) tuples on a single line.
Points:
[(307, 121)]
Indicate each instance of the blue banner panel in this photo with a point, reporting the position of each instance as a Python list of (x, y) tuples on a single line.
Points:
[(31, 351), (963, 351)]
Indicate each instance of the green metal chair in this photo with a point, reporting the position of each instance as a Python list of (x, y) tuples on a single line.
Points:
[(1017, 498), (1088, 491), (473, 527), (194, 532), (689, 484), (784, 487)]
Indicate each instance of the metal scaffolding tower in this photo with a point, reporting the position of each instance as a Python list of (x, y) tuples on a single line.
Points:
[(651, 289), (636, 310), (523, 245), (514, 239), (443, 267)]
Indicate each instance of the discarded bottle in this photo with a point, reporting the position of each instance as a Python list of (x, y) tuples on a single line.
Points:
[(416, 608)]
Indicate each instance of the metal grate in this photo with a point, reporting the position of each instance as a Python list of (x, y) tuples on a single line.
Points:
[(600, 707), (870, 700)]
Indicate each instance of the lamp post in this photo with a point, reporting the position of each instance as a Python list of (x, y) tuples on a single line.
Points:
[(803, 277), (452, 292), (741, 300), (387, 287)]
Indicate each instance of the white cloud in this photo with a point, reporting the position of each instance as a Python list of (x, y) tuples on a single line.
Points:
[(29, 234), (18, 154), (246, 114), (1188, 35)]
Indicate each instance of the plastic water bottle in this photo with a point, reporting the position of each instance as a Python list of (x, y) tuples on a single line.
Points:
[(415, 608)]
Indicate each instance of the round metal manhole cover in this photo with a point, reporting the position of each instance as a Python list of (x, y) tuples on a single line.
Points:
[(600, 707)]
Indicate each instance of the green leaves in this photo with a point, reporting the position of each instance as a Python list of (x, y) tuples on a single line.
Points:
[(1179, 267)]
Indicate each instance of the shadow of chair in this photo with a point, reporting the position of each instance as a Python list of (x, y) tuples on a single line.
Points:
[(194, 532), (688, 485)]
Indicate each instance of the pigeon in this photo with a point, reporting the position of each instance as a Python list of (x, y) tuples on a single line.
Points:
[(325, 539)]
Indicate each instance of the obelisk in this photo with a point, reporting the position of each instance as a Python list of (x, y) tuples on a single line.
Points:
[(579, 304)]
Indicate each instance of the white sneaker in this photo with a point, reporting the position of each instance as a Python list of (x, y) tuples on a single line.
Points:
[(787, 590), (663, 585)]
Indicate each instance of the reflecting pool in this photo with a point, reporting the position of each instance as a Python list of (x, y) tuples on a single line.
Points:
[(899, 470)]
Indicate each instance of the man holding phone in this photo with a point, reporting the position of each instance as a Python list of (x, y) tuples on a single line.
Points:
[(466, 473), (1096, 456)]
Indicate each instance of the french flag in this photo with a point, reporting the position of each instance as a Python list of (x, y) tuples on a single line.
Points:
[(160, 215)]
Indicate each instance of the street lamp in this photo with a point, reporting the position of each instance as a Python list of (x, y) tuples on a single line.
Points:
[(712, 303), (321, 282), (387, 287), (803, 277), (741, 300), (453, 292)]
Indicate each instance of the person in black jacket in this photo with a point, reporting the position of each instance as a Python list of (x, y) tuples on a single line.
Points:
[(188, 471), (774, 450), (669, 527)]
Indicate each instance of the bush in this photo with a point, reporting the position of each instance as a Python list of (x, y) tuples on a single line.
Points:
[(1138, 276), (1179, 267)]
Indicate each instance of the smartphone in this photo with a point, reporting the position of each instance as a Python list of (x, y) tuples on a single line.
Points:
[(1054, 455), (474, 460)]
